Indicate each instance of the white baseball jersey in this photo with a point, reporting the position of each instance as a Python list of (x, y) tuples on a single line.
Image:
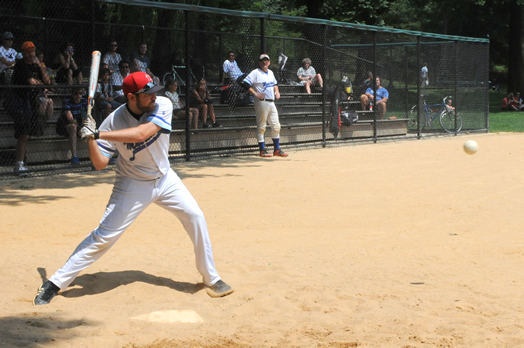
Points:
[(146, 160), (262, 82), (143, 177)]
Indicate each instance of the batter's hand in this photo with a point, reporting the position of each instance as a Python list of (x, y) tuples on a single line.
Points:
[(88, 129)]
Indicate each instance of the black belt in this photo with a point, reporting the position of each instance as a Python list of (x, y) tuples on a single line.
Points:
[(269, 100)]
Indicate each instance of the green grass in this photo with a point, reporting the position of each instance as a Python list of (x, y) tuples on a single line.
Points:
[(503, 121)]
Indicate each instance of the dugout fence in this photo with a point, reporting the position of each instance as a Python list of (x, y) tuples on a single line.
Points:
[(188, 43)]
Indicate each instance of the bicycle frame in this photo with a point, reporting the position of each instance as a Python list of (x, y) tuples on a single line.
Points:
[(449, 120)]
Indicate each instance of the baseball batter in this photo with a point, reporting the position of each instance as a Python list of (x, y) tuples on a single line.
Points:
[(261, 83), (139, 130)]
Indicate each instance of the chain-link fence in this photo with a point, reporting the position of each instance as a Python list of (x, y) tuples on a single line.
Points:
[(415, 74)]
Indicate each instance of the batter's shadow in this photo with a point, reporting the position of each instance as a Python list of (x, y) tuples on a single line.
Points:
[(98, 283)]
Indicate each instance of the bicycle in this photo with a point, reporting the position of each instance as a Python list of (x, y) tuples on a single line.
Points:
[(449, 120), (175, 75)]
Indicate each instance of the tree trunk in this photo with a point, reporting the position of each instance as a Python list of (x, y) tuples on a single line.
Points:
[(516, 49)]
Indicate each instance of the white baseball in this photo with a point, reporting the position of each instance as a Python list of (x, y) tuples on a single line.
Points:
[(470, 147)]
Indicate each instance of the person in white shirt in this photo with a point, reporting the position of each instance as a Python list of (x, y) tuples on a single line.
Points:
[(307, 75), (140, 131), (261, 83), (8, 57), (424, 76), (230, 68)]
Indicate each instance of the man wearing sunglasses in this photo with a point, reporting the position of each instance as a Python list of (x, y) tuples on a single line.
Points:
[(67, 70), (230, 68), (140, 132)]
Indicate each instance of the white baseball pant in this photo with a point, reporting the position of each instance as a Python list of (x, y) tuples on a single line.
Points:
[(266, 111), (129, 198)]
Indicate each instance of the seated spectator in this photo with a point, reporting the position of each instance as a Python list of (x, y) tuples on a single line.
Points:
[(67, 71), (50, 72), (512, 103), (367, 83), (69, 123), (230, 68), (8, 57), (140, 62), (368, 99), (117, 79), (516, 102), (308, 76), (449, 107), (111, 58), (201, 99), (505, 102), (23, 104), (104, 95), (179, 111)]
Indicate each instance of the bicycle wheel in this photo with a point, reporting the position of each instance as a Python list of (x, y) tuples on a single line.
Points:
[(167, 76), (413, 119), (448, 120)]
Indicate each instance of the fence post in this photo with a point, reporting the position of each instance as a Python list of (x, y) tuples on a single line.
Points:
[(93, 44), (324, 50), (188, 82), (262, 36), (456, 81), (419, 97), (374, 87), (406, 82)]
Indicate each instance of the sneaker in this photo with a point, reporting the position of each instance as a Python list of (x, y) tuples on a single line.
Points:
[(216, 125), (264, 153), (219, 289), (20, 169), (205, 125), (279, 153), (75, 160), (45, 294)]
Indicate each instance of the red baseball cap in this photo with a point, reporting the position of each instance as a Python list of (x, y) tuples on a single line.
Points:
[(140, 82)]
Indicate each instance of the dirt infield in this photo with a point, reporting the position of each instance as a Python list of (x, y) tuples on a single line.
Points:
[(398, 244)]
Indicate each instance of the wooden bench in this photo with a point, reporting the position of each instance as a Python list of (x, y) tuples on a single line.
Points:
[(300, 114)]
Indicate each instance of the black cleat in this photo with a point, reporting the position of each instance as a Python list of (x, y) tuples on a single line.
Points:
[(45, 294), (219, 289)]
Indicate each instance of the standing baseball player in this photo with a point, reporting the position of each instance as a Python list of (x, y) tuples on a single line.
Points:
[(261, 83), (139, 130)]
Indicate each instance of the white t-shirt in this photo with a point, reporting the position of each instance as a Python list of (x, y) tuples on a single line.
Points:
[(424, 72), (232, 70), (309, 72), (147, 160), (10, 54), (262, 82)]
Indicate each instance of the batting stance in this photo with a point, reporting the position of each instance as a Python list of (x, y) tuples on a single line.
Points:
[(261, 83), (139, 130)]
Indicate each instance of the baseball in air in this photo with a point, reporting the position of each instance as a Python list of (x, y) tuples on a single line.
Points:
[(470, 147)]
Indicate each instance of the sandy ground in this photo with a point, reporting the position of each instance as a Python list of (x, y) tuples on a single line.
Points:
[(397, 244)]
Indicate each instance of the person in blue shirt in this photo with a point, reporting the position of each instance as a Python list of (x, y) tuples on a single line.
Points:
[(70, 121), (368, 99)]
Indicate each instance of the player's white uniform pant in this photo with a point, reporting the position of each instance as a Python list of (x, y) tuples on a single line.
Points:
[(129, 198), (266, 111)]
